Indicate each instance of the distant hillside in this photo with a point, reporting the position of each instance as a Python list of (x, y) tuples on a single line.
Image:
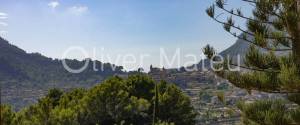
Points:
[(22, 72)]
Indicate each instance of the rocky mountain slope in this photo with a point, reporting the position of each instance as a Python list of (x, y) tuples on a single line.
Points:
[(24, 77)]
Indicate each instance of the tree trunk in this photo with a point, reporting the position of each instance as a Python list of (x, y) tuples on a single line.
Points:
[(296, 53), (296, 43)]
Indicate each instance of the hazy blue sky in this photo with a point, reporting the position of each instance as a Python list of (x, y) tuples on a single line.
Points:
[(119, 26)]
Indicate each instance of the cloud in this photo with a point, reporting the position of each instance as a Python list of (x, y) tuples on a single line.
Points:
[(3, 24), (78, 10), (3, 32), (3, 15), (53, 4)]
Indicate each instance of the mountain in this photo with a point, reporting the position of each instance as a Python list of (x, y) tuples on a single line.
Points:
[(24, 77), (238, 49), (241, 47)]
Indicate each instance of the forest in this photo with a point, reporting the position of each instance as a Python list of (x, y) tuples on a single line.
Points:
[(135, 100)]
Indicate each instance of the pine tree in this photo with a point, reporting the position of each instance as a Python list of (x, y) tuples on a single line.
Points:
[(273, 28), (155, 107)]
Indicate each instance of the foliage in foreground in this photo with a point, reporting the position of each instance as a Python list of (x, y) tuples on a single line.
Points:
[(267, 112), (115, 101), (272, 63)]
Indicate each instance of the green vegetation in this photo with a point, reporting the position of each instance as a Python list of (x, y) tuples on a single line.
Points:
[(266, 112), (17, 66), (205, 97), (31, 73), (115, 101), (273, 29)]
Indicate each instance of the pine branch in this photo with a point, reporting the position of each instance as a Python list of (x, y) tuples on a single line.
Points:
[(242, 30), (244, 17), (270, 12), (276, 14), (254, 69), (276, 92), (259, 88), (251, 42), (269, 49), (250, 1)]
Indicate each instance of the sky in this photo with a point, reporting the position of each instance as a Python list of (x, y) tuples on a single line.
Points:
[(115, 30)]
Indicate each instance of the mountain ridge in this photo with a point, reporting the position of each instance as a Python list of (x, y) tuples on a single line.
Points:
[(25, 77)]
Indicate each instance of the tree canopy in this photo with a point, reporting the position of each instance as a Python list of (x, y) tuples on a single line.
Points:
[(115, 101)]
